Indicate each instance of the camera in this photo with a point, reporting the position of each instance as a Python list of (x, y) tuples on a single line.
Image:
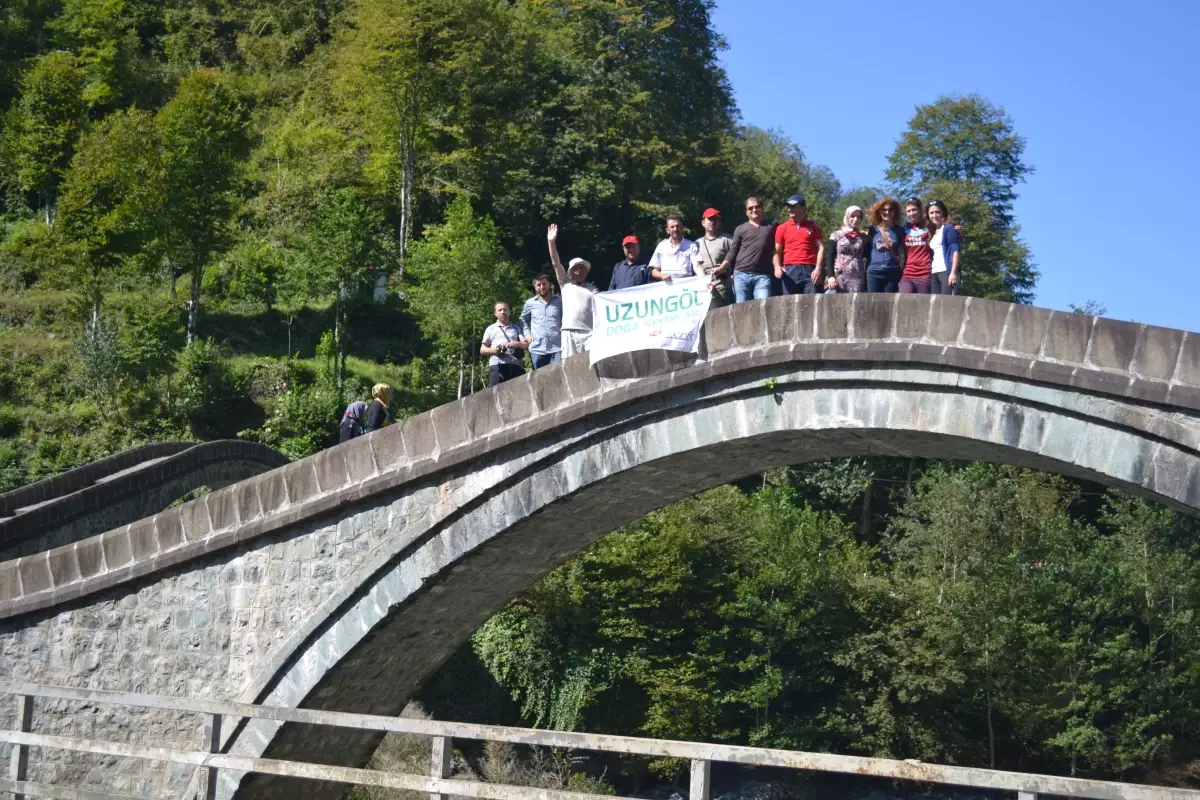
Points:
[(501, 350)]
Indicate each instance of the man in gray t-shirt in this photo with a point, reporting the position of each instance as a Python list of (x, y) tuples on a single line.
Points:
[(708, 253), (505, 347)]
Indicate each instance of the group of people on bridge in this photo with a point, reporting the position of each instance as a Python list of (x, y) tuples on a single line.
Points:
[(920, 255)]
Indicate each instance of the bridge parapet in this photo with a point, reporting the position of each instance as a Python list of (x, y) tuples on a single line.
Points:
[(1154, 367)]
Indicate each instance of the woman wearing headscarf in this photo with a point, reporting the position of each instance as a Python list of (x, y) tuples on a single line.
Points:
[(846, 256)]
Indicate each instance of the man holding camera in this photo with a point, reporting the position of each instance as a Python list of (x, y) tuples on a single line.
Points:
[(502, 341)]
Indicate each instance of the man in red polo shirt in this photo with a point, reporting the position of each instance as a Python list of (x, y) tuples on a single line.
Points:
[(799, 250)]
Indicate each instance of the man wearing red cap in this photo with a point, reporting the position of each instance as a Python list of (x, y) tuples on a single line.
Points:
[(630, 272), (707, 255)]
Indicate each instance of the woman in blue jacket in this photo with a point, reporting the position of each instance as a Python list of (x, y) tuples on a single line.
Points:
[(946, 272)]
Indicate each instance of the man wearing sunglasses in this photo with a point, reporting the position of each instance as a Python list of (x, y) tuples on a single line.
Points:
[(751, 255)]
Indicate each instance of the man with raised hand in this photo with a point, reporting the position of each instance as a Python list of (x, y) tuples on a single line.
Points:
[(576, 298), (541, 323), (708, 253), (673, 256), (630, 272)]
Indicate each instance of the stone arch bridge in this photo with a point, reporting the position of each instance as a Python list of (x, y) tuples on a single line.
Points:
[(344, 580)]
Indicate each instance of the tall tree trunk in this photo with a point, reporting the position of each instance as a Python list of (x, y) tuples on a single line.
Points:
[(406, 109), (339, 344), (194, 305)]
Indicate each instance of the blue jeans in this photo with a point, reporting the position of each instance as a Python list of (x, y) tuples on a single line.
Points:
[(544, 359), (750, 286), (797, 279), (883, 281)]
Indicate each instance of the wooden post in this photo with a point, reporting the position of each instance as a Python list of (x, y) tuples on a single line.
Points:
[(701, 783), (18, 765), (441, 762), (212, 743)]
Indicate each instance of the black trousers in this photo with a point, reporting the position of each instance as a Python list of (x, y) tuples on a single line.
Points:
[(499, 373)]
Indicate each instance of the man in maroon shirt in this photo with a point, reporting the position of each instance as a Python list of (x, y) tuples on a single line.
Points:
[(918, 255), (799, 250)]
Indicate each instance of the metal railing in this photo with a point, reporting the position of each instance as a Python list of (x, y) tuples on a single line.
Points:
[(209, 761)]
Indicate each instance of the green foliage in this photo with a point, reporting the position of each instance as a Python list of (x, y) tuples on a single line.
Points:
[(211, 396), (101, 367), (42, 127), (459, 271), (964, 139)]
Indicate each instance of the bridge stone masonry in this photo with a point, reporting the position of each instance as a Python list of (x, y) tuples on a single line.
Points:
[(342, 582)]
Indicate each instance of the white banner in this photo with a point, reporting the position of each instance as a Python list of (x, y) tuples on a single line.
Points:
[(658, 316)]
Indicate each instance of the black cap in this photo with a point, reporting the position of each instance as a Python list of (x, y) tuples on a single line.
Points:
[(796, 200)]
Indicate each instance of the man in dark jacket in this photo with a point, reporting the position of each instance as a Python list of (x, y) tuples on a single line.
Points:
[(630, 272)]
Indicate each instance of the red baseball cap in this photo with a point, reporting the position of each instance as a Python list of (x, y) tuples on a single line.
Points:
[(710, 212), (630, 239)]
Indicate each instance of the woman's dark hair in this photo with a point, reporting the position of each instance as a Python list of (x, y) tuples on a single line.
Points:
[(939, 205)]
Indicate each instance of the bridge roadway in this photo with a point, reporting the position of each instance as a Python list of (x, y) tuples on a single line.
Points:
[(341, 582), (121, 489)]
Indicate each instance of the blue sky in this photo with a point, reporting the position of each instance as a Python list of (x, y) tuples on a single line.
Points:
[(1105, 93)]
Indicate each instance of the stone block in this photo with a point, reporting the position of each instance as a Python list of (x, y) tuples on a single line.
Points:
[(389, 447), (582, 381), (450, 425), (360, 461), (833, 316), (1157, 352), (90, 554), (481, 415), (273, 492), (749, 321), (717, 334), (1051, 372), (911, 315), (10, 581), (1187, 370), (193, 518), (1026, 329), (168, 530), (420, 440), (946, 317), (64, 566), (983, 324), (301, 480), (1184, 396), (330, 468), (787, 321), (117, 552), (1113, 344), (549, 386), (35, 574), (515, 400), (142, 539), (223, 509), (873, 314), (1067, 337), (245, 494)]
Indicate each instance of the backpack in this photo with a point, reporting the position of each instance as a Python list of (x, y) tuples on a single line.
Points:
[(354, 421)]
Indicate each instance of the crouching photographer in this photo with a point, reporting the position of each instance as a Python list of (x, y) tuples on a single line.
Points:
[(502, 341)]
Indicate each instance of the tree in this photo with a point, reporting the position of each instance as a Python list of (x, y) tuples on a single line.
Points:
[(961, 139), (41, 129), (111, 200), (203, 130), (349, 241), (996, 264), (772, 167), (459, 271)]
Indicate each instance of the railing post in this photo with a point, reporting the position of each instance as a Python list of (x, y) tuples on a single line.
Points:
[(18, 764), (212, 743), (441, 762), (701, 783)]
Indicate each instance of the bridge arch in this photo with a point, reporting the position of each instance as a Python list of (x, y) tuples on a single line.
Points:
[(402, 543)]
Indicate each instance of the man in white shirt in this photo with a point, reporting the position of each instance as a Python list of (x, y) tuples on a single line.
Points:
[(503, 343), (576, 298), (673, 256)]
